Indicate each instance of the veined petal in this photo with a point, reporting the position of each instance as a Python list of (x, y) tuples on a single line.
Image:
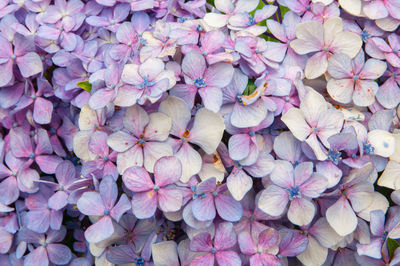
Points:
[(273, 200), (294, 120), (207, 130), (301, 211), (342, 217)]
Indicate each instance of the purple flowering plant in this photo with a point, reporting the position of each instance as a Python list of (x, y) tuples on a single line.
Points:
[(218, 132)]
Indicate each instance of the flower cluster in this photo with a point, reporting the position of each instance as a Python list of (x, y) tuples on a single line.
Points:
[(225, 132)]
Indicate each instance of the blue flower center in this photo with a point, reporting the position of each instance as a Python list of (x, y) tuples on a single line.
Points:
[(156, 188), (356, 77), (200, 82), (199, 28), (139, 261), (287, 99), (213, 251), (384, 236), (106, 212), (251, 20), (365, 35), (31, 155), (182, 19), (252, 133), (44, 244), (105, 158), (293, 192), (141, 141), (142, 41), (395, 50), (367, 148), (238, 165), (53, 131), (146, 83), (13, 56), (239, 100), (215, 193), (334, 156)]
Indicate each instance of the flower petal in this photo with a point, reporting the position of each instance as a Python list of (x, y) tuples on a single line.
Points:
[(100, 230), (273, 200), (341, 217)]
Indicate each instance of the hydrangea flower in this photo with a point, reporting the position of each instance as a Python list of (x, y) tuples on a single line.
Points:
[(206, 132), (314, 122), (161, 192), (295, 185), (47, 248), (142, 141), (381, 232), (148, 81), (263, 252), (354, 80), (104, 204), (23, 54), (324, 39), (218, 249), (210, 200), (245, 132), (206, 81)]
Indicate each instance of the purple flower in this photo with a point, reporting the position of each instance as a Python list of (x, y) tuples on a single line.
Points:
[(358, 195), (218, 249), (147, 81), (389, 49), (297, 186), (205, 131), (110, 18), (381, 9), (229, 8), (14, 175), (324, 39), (212, 43), (125, 254), (142, 141), (207, 81), (388, 94), (24, 55), (47, 250), (42, 215), (262, 252), (381, 232), (103, 158), (66, 176), (314, 122), (210, 199), (22, 147), (161, 192), (354, 80), (103, 204), (248, 110)]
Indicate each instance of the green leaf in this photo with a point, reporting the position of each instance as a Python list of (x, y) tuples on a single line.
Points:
[(392, 246), (85, 85), (251, 87), (284, 9)]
